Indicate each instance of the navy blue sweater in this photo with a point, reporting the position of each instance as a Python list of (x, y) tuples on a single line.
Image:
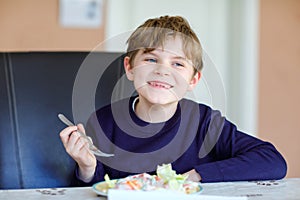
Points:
[(196, 137)]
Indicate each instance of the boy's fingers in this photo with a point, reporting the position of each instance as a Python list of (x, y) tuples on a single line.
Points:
[(73, 139), (76, 145), (80, 149), (81, 128), (84, 147), (65, 133)]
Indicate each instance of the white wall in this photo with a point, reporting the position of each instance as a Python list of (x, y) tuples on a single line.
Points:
[(227, 30)]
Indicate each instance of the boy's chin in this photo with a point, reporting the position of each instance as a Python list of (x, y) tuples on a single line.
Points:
[(161, 100)]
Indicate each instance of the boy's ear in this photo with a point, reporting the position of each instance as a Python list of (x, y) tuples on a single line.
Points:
[(195, 79), (128, 68)]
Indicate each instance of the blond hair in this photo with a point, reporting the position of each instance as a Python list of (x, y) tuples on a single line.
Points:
[(153, 33)]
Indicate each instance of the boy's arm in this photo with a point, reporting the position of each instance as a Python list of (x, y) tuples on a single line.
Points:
[(99, 170), (241, 157)]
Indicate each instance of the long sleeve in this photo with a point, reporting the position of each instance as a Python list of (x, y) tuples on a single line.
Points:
[(98, 176), (240, 156)]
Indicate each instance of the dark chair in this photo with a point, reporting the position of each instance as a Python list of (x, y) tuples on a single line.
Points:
[(34, 88)]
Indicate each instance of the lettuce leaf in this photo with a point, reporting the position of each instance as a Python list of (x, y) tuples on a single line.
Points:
[(170, 178)]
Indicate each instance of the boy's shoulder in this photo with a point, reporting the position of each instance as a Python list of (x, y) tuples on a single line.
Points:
[(203, 111)]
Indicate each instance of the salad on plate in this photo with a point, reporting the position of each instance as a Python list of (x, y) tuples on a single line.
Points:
[(165, 179)]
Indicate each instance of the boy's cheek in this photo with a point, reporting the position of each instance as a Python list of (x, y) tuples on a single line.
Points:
[(139, 83)]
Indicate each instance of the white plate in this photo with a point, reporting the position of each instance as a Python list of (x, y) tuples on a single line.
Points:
[(101, 188)]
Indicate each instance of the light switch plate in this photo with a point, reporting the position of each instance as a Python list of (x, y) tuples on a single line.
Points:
[(80, 13)]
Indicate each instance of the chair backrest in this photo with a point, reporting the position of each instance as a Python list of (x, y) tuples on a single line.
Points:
[(34, 88)]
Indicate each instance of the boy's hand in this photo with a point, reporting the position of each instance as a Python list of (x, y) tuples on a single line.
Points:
[(193, 176), (77, 147)]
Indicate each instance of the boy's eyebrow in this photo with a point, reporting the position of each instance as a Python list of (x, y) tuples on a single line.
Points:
[(150, 52), (176, 57), (180, 58)]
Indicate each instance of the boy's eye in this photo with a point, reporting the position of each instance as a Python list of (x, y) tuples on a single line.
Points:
[(151, 60), (178, 64)]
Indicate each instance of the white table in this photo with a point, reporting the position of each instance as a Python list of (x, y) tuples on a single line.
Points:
[(282, 189)]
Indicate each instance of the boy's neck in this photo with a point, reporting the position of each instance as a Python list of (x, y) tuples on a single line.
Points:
[(154, 113)]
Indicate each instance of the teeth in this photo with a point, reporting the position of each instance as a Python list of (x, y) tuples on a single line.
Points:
[(160, 85)]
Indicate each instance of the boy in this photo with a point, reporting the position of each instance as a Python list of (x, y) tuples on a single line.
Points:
[(164, 61)]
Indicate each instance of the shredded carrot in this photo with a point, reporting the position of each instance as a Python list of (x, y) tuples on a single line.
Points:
[(133, 185)]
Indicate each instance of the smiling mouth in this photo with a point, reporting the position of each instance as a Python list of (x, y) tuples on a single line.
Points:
[(158, 84)]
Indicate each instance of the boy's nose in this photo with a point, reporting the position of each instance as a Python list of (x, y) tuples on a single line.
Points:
[(162, 70)]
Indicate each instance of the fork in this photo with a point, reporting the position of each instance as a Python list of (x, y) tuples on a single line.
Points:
[(92, 147)]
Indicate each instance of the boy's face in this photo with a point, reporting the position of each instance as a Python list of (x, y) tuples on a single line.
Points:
[(162, 76)]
